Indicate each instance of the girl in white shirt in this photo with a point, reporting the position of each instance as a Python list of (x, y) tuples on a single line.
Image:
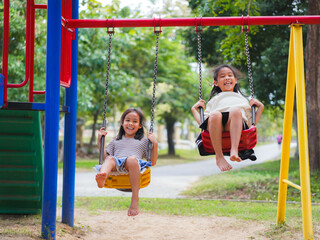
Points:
[(225, 111)]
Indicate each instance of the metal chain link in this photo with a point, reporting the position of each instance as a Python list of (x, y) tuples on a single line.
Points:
[(199, 62), (104, 122), (154, 81), (249, 63), (107, 79)]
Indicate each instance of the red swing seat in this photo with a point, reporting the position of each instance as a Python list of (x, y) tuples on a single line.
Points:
[(248, 140)]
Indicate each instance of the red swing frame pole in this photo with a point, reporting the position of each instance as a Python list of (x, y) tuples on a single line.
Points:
[(185, 22)]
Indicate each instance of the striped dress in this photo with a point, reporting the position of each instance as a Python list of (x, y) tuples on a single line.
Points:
[(121, 149), (126, 147)]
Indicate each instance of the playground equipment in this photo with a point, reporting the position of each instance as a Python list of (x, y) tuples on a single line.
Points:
[(295, 79), (51, 105), (21, 162)]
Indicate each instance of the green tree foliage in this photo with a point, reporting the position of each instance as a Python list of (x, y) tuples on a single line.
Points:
[(132, 65), (176, 82), (268, 44), (93, 54), (132, 70)]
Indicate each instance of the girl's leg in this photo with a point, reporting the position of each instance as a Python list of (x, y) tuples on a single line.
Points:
[(133, 167), (215, 130), (108, 165), (234, 125)]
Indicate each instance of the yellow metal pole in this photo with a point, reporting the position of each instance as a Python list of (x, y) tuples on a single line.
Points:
[(287, 126), (302, 133)]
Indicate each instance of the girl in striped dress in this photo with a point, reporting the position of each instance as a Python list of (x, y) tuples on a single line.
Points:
[(124, 153)]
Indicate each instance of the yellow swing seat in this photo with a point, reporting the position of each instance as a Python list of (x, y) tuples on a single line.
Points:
[(121, 181)]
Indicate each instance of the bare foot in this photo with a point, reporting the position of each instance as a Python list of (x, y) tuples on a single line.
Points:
[(223, 164), (134, 208), (100, 179), (234, 156)]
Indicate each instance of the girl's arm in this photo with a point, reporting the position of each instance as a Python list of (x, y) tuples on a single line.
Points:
[(195, 109), (101, 133), (154, 152), (259, 106)]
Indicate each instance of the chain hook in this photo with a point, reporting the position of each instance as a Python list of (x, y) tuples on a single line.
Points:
[(110, 26), (243, 23), (197, 25), (157, 25)]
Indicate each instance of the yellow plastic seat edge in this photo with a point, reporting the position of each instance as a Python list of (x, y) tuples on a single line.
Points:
[(122, 181)]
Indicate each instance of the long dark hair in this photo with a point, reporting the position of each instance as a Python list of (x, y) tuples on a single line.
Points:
[(140, 133), (215, 89)]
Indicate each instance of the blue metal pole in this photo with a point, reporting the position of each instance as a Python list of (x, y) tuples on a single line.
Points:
[(1, 90), (51, 140), (69, 156)]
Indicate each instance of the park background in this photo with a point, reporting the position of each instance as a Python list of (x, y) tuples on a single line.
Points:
[(132, 62)]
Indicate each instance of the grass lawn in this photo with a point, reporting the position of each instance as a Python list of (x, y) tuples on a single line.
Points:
[(242, 210), (256, 182)]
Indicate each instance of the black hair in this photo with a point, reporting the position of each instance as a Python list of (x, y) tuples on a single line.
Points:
[(215, 89), (140, 133)]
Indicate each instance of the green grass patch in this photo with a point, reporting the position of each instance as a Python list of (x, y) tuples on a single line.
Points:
[(256, 182), (248, 210)]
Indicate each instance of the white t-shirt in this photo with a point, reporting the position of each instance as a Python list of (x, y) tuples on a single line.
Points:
[(225, 101)]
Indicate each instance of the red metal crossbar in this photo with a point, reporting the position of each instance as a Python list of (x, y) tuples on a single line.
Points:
[(185, 22)]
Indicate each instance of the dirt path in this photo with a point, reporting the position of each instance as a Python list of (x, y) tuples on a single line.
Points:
[(116, 225)]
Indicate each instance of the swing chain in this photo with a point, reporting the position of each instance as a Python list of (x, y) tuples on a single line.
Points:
[(249, 63), (199, 62), (107, 79), (154, 81), (104, 122)]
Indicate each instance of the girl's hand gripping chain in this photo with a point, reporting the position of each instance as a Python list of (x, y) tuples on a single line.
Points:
[(200, 105), (101, 139)]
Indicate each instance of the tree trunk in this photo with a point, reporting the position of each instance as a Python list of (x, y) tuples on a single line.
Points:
[(312, 60), (170, 133), (93, 134)]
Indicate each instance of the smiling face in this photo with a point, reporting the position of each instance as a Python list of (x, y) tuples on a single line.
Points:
[(225, 80), (131, 124)]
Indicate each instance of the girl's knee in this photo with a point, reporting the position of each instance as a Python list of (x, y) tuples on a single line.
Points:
[(236, 112), (214, 119), (215, 116), (131, 162), (110, 159)]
